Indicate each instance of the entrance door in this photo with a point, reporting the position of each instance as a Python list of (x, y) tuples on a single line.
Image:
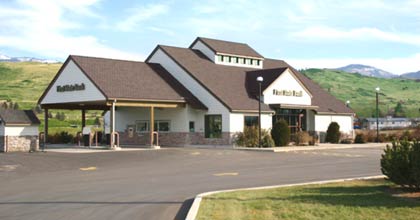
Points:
[(296, 118)]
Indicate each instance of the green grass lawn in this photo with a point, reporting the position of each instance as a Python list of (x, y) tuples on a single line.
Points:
[(370, 199)]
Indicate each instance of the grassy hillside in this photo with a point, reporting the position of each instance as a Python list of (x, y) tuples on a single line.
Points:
[(24, 82), (360, 91)]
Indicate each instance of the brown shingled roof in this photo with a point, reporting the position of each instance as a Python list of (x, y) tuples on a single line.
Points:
[(231, 85), (131, 80), (227, 47), (18, 117)]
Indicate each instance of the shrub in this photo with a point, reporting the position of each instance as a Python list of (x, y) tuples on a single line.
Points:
[(333, 133), (360, 138), (401, 163), (313, 137), (267, 141), (281, 133), (302, 138), (61, 138), (249, 138)]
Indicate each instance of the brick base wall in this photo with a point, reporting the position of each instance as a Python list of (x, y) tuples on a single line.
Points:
[(20, 143), (176, 139)]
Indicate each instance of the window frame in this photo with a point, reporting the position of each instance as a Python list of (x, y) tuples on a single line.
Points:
[(208, 132), (156, 125)]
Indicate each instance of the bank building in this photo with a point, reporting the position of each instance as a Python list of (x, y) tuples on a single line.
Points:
[(200, 95)]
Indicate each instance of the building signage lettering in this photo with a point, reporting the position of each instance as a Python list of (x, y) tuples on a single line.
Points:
[(71, 87), (285, 92)]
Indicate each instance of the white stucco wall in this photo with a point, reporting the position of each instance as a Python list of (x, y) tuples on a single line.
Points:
[(215, 107), (323, 121), (21, 130), (205, 50), (286, 82), (71, 75), (237, 121)]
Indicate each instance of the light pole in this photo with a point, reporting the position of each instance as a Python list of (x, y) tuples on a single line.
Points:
[(377, 113), (259, 80), (348, 103)]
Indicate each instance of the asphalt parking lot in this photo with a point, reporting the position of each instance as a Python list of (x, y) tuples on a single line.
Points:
[(158, 184)]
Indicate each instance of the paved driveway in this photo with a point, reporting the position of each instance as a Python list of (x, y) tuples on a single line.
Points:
[(156, 184)]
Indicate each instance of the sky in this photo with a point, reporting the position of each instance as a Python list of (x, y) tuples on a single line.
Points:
[(304, 33)]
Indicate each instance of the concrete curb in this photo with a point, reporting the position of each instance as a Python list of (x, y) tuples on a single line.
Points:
[(307, 148), (192, 213)]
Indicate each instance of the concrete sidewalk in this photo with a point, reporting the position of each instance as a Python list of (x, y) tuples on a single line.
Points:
[(322, 146)]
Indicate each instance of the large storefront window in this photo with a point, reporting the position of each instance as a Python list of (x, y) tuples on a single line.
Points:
[(213, 126), (296, 118)]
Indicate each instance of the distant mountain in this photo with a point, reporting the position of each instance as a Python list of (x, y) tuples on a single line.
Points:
[(367, 71), (412, 75), (5, 58)]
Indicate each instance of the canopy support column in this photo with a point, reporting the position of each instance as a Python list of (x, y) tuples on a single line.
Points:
[(83, 118), (152, 124), (45, 128)]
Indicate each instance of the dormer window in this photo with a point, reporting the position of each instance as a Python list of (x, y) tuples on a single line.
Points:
[(238, 61)]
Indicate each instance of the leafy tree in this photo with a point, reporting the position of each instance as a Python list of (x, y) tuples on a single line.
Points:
[(399, 110)]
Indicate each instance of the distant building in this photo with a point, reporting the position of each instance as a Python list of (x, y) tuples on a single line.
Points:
[(386, 123), (18, 130)]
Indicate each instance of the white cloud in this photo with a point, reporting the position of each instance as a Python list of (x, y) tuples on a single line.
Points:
[(329, 33), (40, 27), (141, 14), (397, 65)]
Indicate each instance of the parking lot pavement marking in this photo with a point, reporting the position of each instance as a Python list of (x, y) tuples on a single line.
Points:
[(195, 153), (226, 174), (88, 168), (8, 168)]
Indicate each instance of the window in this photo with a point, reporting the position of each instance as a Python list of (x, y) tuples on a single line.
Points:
[(220, 58), (251, 121), (192, 126), (162, 126), (213, 126), (258, 62), (241, 60), (142, 126)]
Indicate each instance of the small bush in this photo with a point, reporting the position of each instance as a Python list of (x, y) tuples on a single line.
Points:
[(401, 163), (61, 138), (360, 138), (302, 138), (333, 133), (281, 133), (267, 141), (249, 138)]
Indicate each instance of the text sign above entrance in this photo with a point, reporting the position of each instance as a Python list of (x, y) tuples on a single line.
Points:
[(285, 92), (70, 88)]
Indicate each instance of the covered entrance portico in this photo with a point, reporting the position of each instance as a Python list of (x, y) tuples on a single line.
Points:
[(111, 106)]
